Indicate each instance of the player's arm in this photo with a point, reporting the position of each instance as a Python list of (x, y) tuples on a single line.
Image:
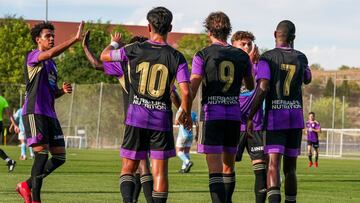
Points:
[(186, 101), (57, 50), (307, 75), (175, 98), (197, 73), (106, 54), (66, 89), (248, 77), (197, 127), (12, 120), (94, 61), (317, 127), (262, 88)]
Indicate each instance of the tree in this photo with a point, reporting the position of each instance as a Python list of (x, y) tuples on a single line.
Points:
[(329, 88), (73, 65), (15, 42), (344, 67), (323, 109), (190, 44), (315, 88), (316, 66)]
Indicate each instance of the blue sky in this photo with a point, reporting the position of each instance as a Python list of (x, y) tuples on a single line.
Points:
[(328, 31)]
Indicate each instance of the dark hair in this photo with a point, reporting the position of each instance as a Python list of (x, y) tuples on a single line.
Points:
[(138, 38), (218, 24), (285, 31), (160, 19), (36, 30), (239, 35), (312, 113)]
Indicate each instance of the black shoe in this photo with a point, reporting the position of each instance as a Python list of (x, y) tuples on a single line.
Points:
[(11, 165), (181, 171), (188, 167)]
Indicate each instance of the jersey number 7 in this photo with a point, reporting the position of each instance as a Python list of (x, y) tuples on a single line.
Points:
[(290, 69)]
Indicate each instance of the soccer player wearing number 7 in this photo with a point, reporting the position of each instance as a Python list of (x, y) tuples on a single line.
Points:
[(153, 67), (220, 68), (281, 73)]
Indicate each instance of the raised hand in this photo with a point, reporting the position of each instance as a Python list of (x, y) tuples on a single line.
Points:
[(67, 88), (254, 54), (79, 34), (85, 41), (116, 37)]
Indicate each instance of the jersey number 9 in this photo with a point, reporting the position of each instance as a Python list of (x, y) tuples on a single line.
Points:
[(226, 74)]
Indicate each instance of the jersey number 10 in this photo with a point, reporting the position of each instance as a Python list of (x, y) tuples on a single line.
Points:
[(149, 75)]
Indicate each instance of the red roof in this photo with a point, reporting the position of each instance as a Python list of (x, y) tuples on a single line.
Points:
[(64, 30)]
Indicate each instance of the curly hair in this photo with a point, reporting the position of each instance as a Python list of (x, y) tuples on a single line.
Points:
[(160, 19), (218, 25), (36, 30), (239, 35)]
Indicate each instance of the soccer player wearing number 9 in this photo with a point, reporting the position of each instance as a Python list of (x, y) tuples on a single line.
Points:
[(281, 73), (220, 68), (153, 66)]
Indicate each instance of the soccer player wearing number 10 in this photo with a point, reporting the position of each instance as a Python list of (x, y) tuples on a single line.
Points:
[(281, 73), (152, 68), (220, 68)]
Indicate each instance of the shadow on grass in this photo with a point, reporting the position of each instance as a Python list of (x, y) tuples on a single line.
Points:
[(329, 180)]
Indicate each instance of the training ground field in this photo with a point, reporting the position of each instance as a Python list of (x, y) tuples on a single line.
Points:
[(92, 176)]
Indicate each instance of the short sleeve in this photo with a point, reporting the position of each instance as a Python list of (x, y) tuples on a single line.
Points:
[(307, 74), (263, 70), (32, 58), (119, 54), (113, 69), (248, 71), (182, 74), (197, 64)]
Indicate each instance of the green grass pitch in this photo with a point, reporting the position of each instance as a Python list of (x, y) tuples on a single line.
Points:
[(92, 176)]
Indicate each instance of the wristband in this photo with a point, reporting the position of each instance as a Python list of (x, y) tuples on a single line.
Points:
[(114, 44)]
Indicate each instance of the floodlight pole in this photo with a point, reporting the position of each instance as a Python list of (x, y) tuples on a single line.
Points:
[(46, 14)]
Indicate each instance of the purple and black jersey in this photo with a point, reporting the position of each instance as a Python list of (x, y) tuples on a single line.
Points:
[(246, 100), (312, 136), (287, 69), (223, 69), (41, 85), (152, 69)]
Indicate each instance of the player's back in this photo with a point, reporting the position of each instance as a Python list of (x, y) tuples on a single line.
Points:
[(224, 68), (284, 100), (152, 70)]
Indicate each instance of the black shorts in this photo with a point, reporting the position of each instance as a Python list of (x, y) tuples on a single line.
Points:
[(254, 146), (313, 144), (139, 142), (286, 142), (219, 136), (41, 129)]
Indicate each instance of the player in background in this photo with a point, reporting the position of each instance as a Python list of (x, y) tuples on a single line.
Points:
[(220, 68), (42, 128), (281, 73), (152, 67), (4, 108), (18, 127), (254, 145), (183, 144), (313, 129)]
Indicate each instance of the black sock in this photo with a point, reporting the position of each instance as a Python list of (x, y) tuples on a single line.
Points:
[(147, 184), (316, 158), (310, 157), (53, 163), (290, 198), (159, 197), (217, 188), (3, 155), (137, 188), (127, 185), (36, 174), (260, 182), (229, 184), (274, 195), (29, 182)]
